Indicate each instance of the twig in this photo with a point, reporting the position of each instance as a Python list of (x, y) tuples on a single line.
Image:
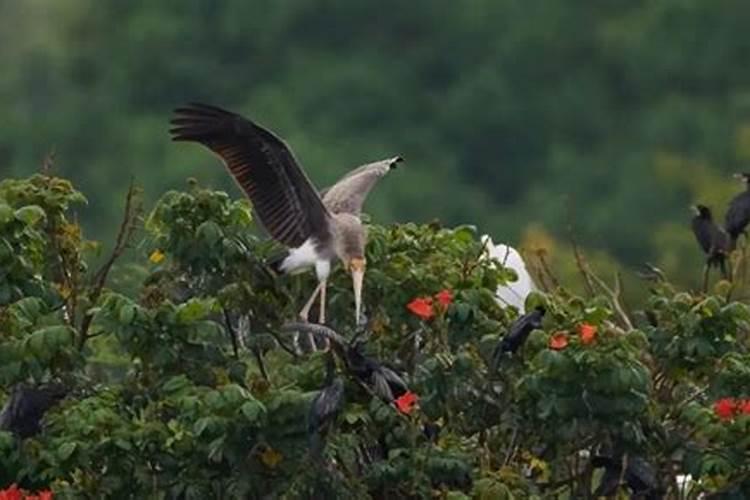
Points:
[(49, 161), (580, 262), (314, 328), (540, 254), (685, 402), (614, 297), (280, 343), (232, 334), (511, 447), (127, 229)]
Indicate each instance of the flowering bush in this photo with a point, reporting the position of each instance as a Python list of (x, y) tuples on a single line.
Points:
[(184, 382)]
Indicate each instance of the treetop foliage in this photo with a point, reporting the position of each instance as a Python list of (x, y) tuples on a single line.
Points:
[(186, 382)]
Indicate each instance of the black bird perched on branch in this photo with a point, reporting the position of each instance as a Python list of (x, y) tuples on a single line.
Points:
[(738, 213), (518, 333), (712, 239), (325, 408), (639, 477), (317, 228), (383, 381), (26, 406)]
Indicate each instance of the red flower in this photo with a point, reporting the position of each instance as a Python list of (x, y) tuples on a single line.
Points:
[(14, 493), (11, 493), (744, 406), (445, 297), (422, 307), (406, 402), (558, 341), (724, 408), (587, 332)]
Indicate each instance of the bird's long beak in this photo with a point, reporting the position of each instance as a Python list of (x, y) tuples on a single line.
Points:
[(358, 274)]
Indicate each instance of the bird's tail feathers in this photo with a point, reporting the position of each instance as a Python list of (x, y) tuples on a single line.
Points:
[(317, 444)]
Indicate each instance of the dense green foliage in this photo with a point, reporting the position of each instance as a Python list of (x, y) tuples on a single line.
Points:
[(510, 114), (173, 396)]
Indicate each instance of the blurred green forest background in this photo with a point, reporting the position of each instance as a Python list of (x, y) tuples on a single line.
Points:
[(518, 116)]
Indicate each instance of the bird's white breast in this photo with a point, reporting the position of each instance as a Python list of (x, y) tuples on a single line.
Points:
[(304, 257)]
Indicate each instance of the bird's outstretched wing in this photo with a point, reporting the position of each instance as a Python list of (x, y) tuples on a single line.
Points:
[(284, 199), (349, 194)]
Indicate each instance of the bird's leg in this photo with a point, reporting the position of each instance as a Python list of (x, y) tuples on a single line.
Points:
[(322, 310), (305, 312), (724, 272), (705, 277), (322, 313)]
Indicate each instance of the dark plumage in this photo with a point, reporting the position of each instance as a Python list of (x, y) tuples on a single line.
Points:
[(325, 409), (518, 333), (639, 477), (284, 199), (385, 382), (712, 239), (382, 380), (738, 213), (26, 406)]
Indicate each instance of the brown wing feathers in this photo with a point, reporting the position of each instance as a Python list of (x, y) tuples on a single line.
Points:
[(263, 166)]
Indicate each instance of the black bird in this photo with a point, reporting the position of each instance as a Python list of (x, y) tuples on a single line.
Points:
[(738, 213), (325, 408), (382, 380), (712, 239), (23, 412), (639, 477), (518, 333)]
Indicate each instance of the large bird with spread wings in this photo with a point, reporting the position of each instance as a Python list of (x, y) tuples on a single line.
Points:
[(317, 228)]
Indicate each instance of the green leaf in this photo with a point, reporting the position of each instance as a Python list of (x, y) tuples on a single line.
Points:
[(193, 310), (6, 213), (127, 314), (210, 232), (66, 450), (252, 410), (30, 214)]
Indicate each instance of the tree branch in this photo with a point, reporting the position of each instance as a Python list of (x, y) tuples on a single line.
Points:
[(127, 229)]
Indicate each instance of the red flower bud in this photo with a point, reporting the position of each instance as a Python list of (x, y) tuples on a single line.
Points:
[(587, 333), (445, 297), (558, 341), (724, 408), (421, 307), (406, 402)]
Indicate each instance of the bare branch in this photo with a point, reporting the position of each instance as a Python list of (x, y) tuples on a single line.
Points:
[(541, 256), (49, 161), (128, 226), (614, 298), (315, 329)]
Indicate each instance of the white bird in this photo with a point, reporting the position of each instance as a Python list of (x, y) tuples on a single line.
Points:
[(515, 293)]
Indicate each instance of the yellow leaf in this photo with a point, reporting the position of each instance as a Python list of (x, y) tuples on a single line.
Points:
[(157, 256), (271, 458)]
